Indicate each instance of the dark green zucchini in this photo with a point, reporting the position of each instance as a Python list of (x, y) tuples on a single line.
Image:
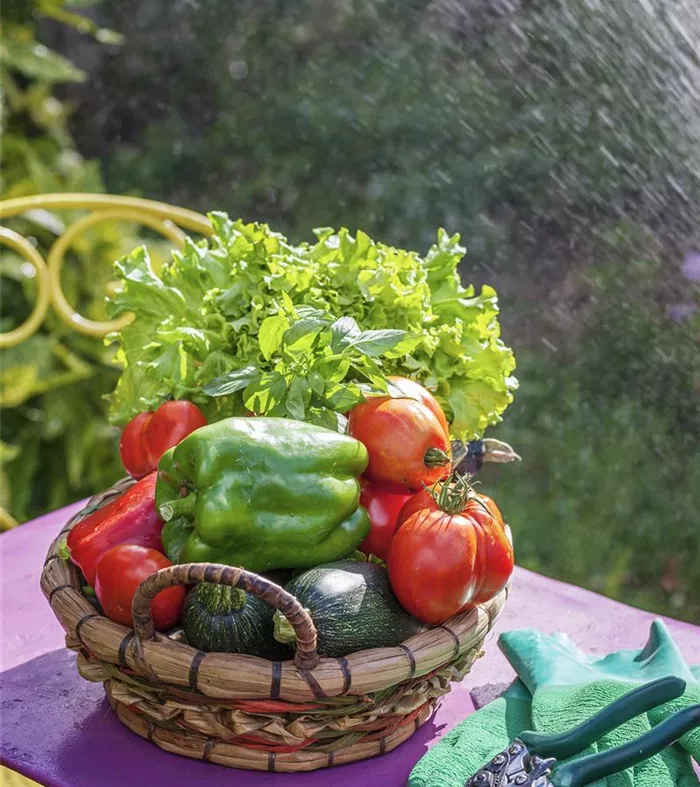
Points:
[(219, 618), (352, 606)]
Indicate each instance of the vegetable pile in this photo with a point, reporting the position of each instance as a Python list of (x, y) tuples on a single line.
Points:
[(272, 426)]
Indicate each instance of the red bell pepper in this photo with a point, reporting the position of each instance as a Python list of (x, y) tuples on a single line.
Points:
[(131, 518)]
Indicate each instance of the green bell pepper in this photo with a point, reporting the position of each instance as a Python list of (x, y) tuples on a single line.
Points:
[(262, 493)]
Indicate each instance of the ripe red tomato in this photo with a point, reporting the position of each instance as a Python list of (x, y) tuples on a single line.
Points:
[(494, 545), (482, 500), (407, 446), (170, 424), (420, 394), (134, 458), (417, 502), (121, 570), (432, 564), (383, 507), (149, 435), (441, 563)]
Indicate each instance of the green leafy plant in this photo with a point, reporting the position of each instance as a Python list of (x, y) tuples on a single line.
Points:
[(313, 353), (247, 301)]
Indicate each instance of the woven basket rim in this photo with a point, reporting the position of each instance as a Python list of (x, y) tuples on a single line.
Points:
[(166, 661)]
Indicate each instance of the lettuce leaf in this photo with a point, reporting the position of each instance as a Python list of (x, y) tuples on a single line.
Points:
[(219, 306)]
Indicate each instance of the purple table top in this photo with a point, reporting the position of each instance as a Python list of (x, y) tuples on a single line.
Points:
[(59, 730)]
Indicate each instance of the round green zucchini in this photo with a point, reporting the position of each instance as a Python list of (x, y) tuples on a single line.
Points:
[(222, 619), (352, 606)]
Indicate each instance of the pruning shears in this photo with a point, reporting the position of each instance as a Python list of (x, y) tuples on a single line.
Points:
[(533, 758), (468, 458)]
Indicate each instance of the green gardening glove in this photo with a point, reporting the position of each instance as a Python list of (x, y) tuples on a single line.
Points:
[(475, 741), (569, 686), (559, 687)]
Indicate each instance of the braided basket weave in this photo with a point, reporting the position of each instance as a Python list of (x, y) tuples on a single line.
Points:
[(247, 712)]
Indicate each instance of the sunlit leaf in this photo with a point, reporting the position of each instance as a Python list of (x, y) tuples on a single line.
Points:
[(316, 381), (388, 342), (328, 419), (35, 60), (343, 331), (342, 398), (298, 397), (301, 335), (232, 382), (270, 334), (266, 393)]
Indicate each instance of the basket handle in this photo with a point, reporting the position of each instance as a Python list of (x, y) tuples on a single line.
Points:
[(189, 573)]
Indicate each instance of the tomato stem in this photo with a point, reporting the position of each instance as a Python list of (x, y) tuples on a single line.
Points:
[(366, 557), (452, 496), (436, 457)]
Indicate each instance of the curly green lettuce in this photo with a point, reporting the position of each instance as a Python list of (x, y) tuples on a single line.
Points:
[(199, 317)]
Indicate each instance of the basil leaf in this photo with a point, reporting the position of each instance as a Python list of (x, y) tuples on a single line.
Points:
[(270, 334), (395, 392), (369, 389), (300, 337), (316, 382), (287, 303), (266, 393), (332, 371), (343, 331), (342, 398), (389, 343), (369, 368), (298, 396), (231, 382), (321, 416)]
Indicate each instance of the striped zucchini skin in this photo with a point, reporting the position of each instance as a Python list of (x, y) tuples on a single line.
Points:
[(222, 619), (353, 607)]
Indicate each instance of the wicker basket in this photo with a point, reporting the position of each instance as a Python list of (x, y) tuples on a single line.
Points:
[(247, 712)]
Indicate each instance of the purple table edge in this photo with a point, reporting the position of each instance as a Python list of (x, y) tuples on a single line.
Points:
[(58, 730)]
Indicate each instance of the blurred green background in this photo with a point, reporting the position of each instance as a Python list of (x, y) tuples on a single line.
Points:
[(560, 137)]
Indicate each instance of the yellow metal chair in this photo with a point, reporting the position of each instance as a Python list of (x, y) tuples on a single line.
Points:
[(167, 220)]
